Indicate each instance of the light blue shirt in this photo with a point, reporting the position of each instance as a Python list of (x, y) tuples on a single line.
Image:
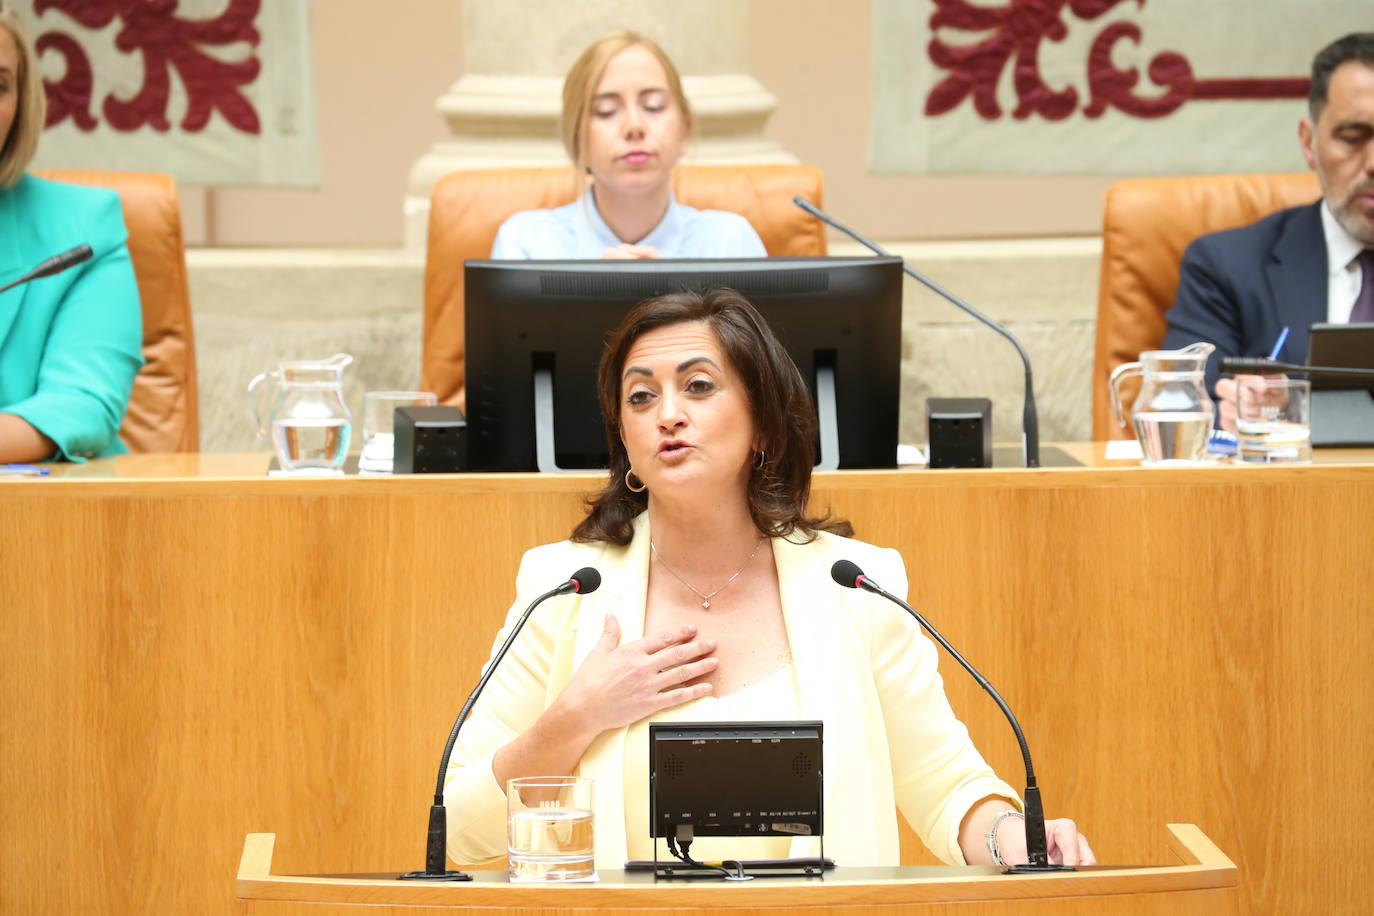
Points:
[(577, 232)]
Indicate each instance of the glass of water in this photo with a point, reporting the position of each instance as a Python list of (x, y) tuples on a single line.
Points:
[(1273, 420), (379, 417), (549, 829)]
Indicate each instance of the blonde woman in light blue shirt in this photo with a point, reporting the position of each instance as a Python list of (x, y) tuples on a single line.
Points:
[(625, 124)]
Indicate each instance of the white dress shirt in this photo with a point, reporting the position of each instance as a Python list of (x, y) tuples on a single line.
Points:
[(1343, 268), (576, 231)]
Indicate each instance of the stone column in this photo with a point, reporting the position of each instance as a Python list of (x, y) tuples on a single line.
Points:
[(504, 110)]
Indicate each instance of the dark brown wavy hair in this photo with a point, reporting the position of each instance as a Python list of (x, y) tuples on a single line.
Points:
[(779, 404)]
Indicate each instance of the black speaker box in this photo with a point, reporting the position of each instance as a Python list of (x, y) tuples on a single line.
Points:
[(430, 440), (959, 432)]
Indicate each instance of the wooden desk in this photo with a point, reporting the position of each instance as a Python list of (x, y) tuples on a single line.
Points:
[(189, 659)]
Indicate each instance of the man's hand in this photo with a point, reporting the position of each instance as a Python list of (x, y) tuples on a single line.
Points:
[(1228, 397), (1226, 401)]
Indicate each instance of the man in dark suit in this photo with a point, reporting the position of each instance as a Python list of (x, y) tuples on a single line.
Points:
[(1238, 289)]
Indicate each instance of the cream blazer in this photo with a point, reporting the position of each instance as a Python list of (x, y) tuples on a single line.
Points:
[(863, 667)]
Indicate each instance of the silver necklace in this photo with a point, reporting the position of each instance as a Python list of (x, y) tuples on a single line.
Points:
[(705, 599)]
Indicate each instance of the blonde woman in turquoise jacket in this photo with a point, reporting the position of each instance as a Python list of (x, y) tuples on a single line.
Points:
[(69, 344)]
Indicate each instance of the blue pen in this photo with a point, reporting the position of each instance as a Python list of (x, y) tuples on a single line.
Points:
[(1278, 344), (23, 470)]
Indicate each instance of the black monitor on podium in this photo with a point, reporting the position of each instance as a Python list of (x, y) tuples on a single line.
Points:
[(1342, 406), (535, 331), (735, 779)]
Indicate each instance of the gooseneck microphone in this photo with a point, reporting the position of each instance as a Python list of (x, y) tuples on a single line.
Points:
[(53, 265), (583, 582), (1030, 422), (1241, 365), (848, 574)]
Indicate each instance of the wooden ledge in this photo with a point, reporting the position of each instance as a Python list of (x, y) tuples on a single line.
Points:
[(1204, 868)]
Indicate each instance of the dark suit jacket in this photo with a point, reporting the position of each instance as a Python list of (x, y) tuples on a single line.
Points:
[(1238, 289)]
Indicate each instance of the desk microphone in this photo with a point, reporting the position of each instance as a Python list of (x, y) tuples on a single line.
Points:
[(53, 265), (848, 574), (583, 582), (1030, 423), (1240, 365)]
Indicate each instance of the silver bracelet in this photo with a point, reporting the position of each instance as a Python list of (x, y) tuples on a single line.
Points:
[(993, 849)]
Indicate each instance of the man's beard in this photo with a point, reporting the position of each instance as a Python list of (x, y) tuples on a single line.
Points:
[(1360, 227)]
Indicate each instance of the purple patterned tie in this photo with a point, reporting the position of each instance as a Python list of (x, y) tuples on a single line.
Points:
[(1364, 302)]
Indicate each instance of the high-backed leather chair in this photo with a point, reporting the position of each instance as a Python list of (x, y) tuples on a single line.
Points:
[(1147, 223), (163, 413), (466, 209)]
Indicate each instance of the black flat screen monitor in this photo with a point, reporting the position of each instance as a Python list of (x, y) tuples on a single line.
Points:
[(1346, 346), (736, 778), (535, 331), (1342, 406)]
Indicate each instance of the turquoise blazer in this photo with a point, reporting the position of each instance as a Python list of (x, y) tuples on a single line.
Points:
[(70, 344)]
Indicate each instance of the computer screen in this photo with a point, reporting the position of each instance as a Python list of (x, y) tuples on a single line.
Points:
[(736, 778), (535, 331), (1347, 346)]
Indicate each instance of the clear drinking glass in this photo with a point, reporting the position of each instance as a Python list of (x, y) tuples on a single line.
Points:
[(549, 828), (1273, 420), (379, 417)]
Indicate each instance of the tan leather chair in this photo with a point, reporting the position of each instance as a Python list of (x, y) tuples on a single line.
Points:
[(466, 209), (163, 413), (1147, 224)]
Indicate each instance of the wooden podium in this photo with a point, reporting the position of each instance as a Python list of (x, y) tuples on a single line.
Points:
[(188, 642), (1204, 882)]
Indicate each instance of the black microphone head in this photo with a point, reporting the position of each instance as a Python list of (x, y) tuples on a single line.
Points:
[(75, 256), (846, 573), (587, 579), (1232, 365), (1249, 365)]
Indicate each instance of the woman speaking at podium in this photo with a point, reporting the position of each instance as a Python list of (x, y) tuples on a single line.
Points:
[(625, 124), (717, 605), (70, 345)]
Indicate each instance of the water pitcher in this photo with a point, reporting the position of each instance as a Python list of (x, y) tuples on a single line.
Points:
[(309, 422), (1172, 413)]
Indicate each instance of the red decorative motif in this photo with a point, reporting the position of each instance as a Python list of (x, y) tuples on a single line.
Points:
[(166, 41), (1017, 31), (72, 95), (1112, 87)]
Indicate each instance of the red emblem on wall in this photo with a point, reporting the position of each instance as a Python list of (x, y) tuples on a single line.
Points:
[(1017, 31), (166, 43)]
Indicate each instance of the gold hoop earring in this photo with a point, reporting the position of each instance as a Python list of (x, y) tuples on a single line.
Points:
[(760, 459), (630, 486)]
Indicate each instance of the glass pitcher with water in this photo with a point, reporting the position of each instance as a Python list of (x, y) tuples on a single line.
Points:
[(1172, 413), (309, 422)]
